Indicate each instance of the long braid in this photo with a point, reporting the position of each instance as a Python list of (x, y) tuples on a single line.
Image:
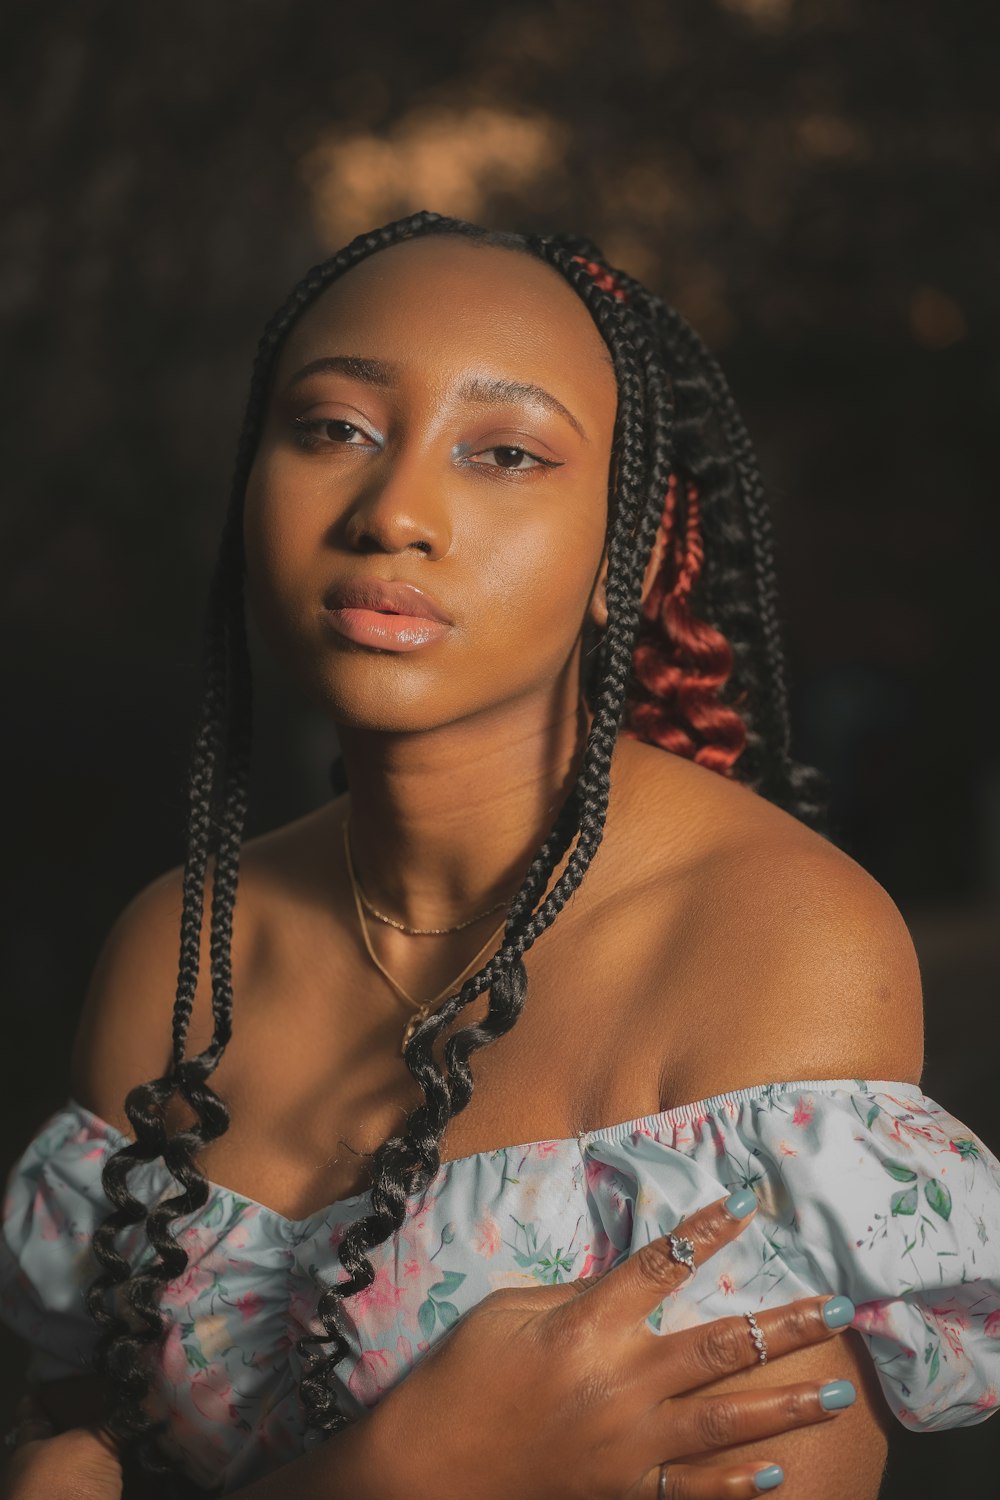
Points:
[(405, 1162), (663, 413)]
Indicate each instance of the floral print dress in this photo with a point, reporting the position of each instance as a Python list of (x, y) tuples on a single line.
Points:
[(865, 1188)]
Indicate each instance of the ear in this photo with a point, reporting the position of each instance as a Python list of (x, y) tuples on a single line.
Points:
[(655, 561), (597, 609)]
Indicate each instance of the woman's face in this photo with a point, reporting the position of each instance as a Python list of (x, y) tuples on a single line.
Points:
[(441, 417)]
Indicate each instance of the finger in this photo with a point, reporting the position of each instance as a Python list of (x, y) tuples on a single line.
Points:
[(688, 1482), (700, 1424), (698, 1356), (629, 1292)]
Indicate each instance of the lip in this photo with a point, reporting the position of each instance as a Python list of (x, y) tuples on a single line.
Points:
[(390, 598), (389, 616)]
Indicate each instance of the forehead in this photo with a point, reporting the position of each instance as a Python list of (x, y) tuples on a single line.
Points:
[(442, 307)]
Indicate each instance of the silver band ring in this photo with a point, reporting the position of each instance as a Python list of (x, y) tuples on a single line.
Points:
[(757, 1334), (682, 1251), (661, 1488)]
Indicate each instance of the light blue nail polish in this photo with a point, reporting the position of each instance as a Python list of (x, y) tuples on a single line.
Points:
[(740, 1203), (838, 1312), (836, 1395), (769, 1478)]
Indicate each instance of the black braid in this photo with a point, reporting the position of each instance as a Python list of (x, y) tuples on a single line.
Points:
[(673, 409)]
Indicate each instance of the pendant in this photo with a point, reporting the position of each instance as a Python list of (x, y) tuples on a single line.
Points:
[(417, 1019)]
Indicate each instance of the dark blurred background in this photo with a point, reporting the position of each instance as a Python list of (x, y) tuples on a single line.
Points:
[(814, 184)]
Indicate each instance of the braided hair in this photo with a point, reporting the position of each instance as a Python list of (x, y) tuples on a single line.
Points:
[(697, 669)]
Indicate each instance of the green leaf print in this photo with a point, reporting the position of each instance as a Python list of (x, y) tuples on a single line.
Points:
[(450, 1282), (195, 1358), (933, 1358), (939, 1198), (865, 1110), (967, 1150), (904, 1202), (448, 1313), (426, 1318), (897, 1170)]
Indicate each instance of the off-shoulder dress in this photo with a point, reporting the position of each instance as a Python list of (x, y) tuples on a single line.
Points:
[(865, 1187)]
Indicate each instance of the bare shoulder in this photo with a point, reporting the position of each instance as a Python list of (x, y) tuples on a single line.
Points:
[(124, 1035), (798, 963)]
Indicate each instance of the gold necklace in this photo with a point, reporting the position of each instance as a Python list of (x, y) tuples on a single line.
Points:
[(380, 916), (424, 1008), (401, 926)]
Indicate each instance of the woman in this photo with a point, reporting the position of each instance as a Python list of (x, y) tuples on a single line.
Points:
[(497, 514)]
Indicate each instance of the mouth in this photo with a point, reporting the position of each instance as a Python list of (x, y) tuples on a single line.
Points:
[(384, 616)]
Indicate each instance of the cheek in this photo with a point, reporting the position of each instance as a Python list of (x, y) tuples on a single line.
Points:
[(541, 577), (279, 544)]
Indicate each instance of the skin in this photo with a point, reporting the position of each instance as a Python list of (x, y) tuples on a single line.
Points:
[(719, 941)]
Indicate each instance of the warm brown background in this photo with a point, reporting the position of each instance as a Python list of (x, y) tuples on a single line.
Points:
[(812, 181)]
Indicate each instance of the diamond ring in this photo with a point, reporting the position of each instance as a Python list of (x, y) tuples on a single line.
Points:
[(682, 1251), (757, 1334)]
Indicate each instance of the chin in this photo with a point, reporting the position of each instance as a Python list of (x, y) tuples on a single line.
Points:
[(383, 693)]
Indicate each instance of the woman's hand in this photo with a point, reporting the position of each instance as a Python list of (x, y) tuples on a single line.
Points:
[(79, 1464), (564, 1393)]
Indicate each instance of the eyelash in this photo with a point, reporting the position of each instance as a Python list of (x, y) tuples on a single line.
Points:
[(310, 427)]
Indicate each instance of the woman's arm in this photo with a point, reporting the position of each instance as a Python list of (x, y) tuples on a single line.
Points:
[(833, 991)]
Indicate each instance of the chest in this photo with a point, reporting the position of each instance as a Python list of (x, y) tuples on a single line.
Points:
[(315, 1081)]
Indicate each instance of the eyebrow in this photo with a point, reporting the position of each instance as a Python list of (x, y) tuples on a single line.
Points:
[(481, 389)]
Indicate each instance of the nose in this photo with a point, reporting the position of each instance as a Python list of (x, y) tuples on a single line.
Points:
[(401, 507)]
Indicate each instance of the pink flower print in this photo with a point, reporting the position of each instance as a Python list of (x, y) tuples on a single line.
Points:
[(875, 1318), (303, 1313), (991, 1326), (188, 1287), (377, 1370), (725, 1284), (215, 1403), (249, 1305), (173, 1360), (951, 1322), (46, 1213), (601, 1259), (487, 1235), (337, 1234), (988, 1400), (378, 1307), (238, 1237), (803, 1110), (786, 1149), (546, 1148)]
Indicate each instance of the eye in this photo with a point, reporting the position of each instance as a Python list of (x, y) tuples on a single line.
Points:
[(322, 432), (512, 459)]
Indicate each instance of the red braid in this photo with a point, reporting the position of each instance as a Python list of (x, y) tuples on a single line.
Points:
[(679, 662), (603, 278)]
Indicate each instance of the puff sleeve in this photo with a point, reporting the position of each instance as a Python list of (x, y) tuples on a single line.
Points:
[(869, 1189), (52, 1204)]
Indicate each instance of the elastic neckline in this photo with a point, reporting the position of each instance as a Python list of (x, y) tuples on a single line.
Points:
[(681, 1114)]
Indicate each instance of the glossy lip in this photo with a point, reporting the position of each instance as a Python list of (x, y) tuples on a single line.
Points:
[(384, 597), (385, 615)]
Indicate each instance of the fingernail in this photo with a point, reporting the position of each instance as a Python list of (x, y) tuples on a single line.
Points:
[(836, 1395), (769, 1478), (838, 1312), (740, 1203)]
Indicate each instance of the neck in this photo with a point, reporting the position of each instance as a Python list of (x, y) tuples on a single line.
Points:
[(445, 822)]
